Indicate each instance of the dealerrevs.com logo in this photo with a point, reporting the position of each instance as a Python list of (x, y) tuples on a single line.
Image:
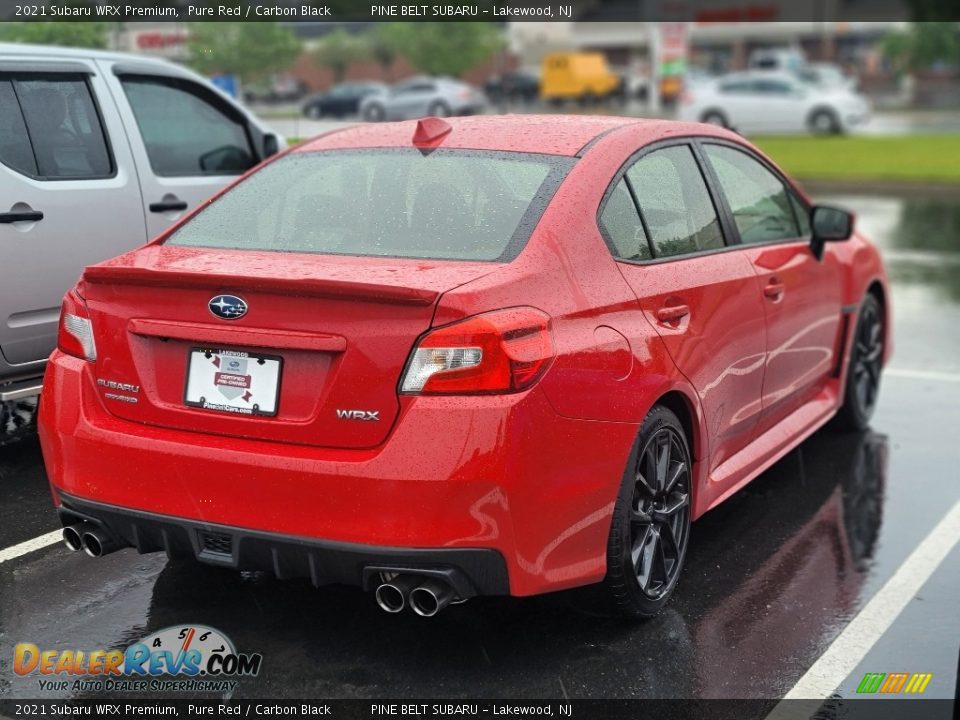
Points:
[(191, 658)]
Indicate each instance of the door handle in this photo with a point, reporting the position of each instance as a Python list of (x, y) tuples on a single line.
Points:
[(168, 206), (774, 290), (22, 216), (672, 313)]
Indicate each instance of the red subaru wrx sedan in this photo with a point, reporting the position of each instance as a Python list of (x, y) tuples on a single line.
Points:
[(480, 356)]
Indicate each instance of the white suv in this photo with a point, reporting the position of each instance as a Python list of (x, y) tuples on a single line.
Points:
[(98, 153)]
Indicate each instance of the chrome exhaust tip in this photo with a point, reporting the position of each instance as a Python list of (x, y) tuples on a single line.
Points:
[(390, 599), (392, 595), (73, 536), (96, 543), (431, 597)]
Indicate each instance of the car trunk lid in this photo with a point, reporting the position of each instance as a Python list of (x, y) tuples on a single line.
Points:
[(335, 331)]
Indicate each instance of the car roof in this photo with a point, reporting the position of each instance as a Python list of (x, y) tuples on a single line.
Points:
[(64, 53), (544, 134)]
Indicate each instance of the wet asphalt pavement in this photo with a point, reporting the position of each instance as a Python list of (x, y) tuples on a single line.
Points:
[(773, 576)]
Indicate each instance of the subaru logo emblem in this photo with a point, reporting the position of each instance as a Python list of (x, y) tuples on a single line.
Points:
[(228, 307)]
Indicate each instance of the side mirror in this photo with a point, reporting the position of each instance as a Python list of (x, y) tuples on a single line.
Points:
[(271, 145), (828, 224)]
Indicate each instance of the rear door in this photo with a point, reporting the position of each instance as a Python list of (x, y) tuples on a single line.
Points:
[(188, 141), (701, 298), (801, 294), (778, 105), (412, 100), (68, 197)]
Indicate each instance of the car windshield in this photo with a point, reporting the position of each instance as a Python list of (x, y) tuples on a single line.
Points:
[(393, 202)]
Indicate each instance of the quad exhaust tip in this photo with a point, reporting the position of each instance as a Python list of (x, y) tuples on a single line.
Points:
[(425, 597), (429, 598), (73, 536), (392, 595), (91, 539), (97, 543)]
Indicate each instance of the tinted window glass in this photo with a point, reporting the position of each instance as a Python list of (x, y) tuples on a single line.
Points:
[(68, 140), (184, 129), (15, 149), (739, 86), (773, 87), (399, 203), (758, 200), (621, 225), (675, 203)]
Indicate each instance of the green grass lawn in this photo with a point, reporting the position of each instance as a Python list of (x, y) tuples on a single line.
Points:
[(909, 158)]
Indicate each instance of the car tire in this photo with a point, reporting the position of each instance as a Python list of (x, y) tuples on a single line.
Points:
[(18, 419), (650, 529), (865, 367), (439, 109), (374, 113), (824, 122), (715, 117)]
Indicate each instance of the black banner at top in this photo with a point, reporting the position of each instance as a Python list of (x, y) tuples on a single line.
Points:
[(611, 11)]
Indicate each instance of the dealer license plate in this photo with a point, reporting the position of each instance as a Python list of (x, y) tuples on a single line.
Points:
[(233, 381)]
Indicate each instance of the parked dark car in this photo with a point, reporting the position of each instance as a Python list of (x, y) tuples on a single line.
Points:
[(517, 86), (340, 100)]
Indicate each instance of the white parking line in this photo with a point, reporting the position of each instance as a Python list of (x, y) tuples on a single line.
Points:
[(28, 546), (923, 374), (876, 617)]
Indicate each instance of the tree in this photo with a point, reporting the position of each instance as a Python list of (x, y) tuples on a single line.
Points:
[(444, 48), (923, 45), (338, 50), (250, 50), (383, 47), (72, 34)]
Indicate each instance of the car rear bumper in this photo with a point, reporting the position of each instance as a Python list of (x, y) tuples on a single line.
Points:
[(505, 474), (470, 571)]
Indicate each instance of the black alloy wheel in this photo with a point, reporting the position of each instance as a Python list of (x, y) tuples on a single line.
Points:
[(866, 366), (651, 526)]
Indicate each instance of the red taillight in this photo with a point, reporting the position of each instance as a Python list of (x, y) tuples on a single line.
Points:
[(75, 336), (497, 352)]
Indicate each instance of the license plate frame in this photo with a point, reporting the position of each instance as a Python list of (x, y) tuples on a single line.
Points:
[(231, 386)]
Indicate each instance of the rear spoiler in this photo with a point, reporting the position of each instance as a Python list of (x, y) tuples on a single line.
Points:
[(312, 287)]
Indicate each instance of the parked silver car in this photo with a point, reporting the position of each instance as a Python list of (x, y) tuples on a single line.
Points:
[(422, 96), (98, 153), (774, 102)]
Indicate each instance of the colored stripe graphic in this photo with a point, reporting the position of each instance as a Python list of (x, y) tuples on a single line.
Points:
[(899, 679), (871, 682), (894, 683)]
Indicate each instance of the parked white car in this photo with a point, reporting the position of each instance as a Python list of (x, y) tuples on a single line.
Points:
[(98, 153), (773, 102)]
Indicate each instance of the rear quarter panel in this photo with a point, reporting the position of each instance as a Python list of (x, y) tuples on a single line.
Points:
[(610, 363)]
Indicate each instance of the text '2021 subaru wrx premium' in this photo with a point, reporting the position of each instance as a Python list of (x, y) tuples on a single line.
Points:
[(443, 359)]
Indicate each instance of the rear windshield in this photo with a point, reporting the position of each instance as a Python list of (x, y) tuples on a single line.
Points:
[(393, 202)]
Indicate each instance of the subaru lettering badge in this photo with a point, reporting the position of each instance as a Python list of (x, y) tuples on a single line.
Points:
[(228, 307)]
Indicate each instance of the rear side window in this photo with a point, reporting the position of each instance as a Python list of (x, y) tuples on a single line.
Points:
[(186, 129), (737, 86), (465, 205), (15, 149), (620, 224), (675, 203), (50, 128), (757, 198)]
